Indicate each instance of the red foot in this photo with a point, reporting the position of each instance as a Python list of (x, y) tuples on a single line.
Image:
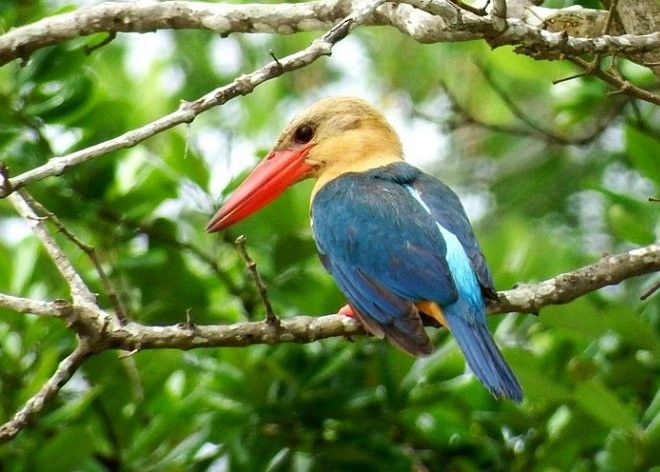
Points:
[(346, 310)]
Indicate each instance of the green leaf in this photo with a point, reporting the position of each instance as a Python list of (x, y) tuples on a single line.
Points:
[(619, 452), (629, 226), (67, 450), (600, 403), (60, 99), (643, 150)]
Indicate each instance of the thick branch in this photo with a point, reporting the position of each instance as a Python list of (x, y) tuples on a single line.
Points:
[(299, 329), (564, 288), (425, 20), (108, 333), (610, 270), (148, 16)]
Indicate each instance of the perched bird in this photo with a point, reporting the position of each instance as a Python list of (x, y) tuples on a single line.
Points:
[(395, 239)]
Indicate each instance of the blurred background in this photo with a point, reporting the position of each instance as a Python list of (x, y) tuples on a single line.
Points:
[(552, 176)]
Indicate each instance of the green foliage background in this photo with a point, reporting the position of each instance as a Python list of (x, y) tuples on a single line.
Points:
[(589, 369)]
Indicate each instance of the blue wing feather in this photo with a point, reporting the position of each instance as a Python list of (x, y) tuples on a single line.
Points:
[(393, 236), (448, 211), (384, 313)]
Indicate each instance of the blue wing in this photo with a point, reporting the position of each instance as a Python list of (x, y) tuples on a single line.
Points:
[(394, 236), (384, 313), (370, 223), (384, 253)]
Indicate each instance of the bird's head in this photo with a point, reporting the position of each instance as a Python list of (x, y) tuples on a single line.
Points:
[(334, 136)]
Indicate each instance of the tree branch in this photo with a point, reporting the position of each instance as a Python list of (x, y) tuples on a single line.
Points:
[(618, 83), (171, 240), (108, 333), (79, 291), (28, 305), (251, 266), (46, 393), (91, 253), (586, 135), (564, 288), (187, 111), (149, 16), (425, 20)]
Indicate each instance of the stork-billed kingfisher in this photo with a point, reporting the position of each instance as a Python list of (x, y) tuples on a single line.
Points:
[(396, 240)]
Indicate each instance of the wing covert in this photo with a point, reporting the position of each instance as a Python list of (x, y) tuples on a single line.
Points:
[(448, 211)]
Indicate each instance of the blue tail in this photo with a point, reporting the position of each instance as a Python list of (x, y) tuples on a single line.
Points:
[(481, 352)]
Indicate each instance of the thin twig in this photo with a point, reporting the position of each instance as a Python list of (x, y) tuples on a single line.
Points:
[(271, 317), (190, 324), (129, 365), (46, 393), (169, 239), (639, 121), (107, 40), (579, 139), (650, 291), (79, 291), (610, 16), (598, 128), (510, 103), (570, 77), (464, 6), (88, 250), (271, 53), (616, 82)]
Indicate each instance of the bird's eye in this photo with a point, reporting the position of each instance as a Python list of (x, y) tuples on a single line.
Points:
[(304, 134)]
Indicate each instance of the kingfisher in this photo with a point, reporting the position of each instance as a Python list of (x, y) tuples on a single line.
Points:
[(396, 240)]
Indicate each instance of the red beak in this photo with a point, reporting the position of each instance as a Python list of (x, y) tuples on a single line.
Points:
[(279, 170)]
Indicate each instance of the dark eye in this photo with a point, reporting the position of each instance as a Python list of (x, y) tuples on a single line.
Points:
[(304, 134)]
